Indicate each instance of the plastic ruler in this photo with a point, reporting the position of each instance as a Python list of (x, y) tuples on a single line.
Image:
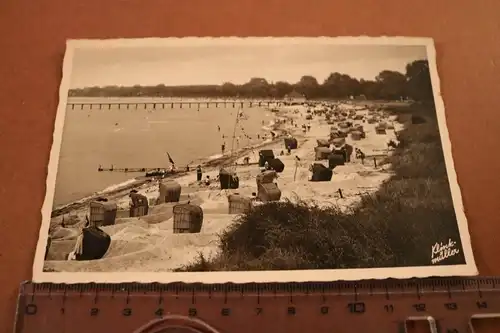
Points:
[(441, 305)]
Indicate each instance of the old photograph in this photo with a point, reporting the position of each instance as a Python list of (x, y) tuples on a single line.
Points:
[(251, 160)]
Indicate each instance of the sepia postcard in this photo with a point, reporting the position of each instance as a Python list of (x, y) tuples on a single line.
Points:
[(251, 160)]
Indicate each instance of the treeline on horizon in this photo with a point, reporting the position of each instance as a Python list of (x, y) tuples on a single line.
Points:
[(414, 84)]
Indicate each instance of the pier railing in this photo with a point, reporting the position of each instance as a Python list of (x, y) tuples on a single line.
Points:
[(171, 105)]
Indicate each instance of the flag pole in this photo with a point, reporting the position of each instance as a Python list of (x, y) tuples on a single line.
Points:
[(296, 167)]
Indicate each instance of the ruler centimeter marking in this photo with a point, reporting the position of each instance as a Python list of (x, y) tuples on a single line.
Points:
[(448, 305)]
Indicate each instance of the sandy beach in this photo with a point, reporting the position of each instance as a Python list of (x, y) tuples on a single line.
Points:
[(148, 244)]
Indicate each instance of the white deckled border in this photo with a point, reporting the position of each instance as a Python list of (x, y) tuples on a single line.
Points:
[(468, 269)]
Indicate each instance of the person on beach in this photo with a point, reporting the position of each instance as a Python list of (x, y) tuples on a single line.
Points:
[(134, 197), (223, 148), (199, 173), (218, 128), (207, 180), (359, 154), (311, 171), (138, 200)]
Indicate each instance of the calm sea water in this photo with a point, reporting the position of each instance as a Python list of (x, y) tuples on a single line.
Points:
[(141, 138)]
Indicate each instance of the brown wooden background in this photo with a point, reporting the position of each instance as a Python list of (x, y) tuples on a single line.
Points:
[(32, 41)]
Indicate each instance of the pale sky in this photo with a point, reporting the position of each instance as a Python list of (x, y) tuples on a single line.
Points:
[(193, 65)]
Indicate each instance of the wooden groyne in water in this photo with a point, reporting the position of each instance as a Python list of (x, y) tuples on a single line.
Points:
[(165, 171), (114, 169), (171, 105)]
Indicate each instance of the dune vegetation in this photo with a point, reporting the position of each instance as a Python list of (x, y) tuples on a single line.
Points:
[(394, 227)]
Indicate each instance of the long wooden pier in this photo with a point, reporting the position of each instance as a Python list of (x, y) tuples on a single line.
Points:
[(170, 105)]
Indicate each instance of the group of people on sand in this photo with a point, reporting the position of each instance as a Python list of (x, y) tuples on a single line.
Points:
[(199, 176), (237, 138)]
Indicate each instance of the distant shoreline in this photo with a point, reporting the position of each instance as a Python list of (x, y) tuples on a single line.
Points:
[(388, 85), (158, 100)]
